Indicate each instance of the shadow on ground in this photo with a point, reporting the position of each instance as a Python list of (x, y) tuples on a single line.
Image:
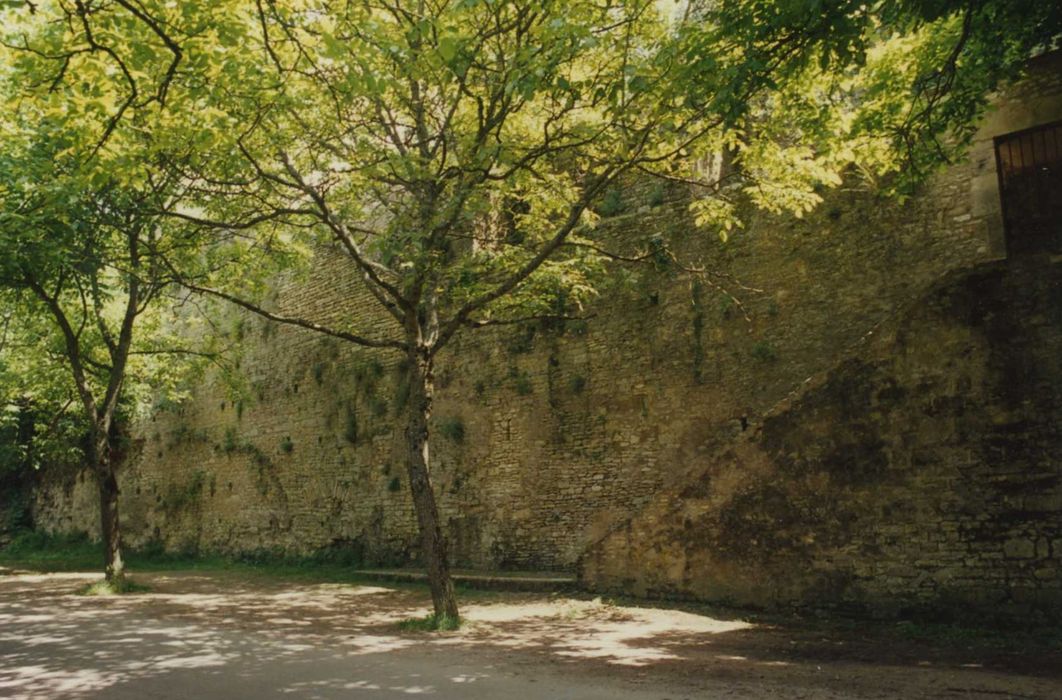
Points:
[(231, 635)]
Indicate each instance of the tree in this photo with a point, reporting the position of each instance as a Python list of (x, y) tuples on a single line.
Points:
[(454, 150), (93, 93), (79, 267)]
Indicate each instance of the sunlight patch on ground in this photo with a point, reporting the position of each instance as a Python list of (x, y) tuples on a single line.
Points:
[(25, 577), (40, 683), (344, 684), (593, 630), (378, 644)]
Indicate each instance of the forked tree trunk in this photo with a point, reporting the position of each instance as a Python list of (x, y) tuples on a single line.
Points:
[(433, 542), (110, 527)]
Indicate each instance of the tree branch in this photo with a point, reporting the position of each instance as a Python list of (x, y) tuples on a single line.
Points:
[(293, 321)]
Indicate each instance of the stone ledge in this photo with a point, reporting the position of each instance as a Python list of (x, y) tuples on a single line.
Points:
[(532, 581)]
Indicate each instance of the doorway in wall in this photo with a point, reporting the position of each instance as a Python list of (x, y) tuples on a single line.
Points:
[(1029, 163)]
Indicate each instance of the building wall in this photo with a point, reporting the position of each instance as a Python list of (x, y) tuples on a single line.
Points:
[(550, 441)]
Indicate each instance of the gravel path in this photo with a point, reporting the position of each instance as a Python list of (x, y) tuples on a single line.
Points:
[(227, 635)]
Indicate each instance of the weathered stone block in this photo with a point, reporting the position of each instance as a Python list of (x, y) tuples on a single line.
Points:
[(1019, 549)]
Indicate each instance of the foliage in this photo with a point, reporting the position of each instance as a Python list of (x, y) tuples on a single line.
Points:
[(612, 203), (37, 428), (89, 251), (453, 429), (74, 552), (120, 586), (350, 429), (64, 552), (657, 195), (764, 351), (180, 497), (891, 88), (455, 148), (430, 623), (522, 383), (81, 268)]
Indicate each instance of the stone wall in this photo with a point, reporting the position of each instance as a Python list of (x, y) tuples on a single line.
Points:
[(925, 470), (550, 441)]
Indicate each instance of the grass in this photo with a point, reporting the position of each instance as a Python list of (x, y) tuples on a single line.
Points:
[(122, 586), (55, 553), (36, 550), (430, 623), (45, 553)]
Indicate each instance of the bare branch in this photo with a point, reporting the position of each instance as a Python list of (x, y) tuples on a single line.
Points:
[(293, 321)]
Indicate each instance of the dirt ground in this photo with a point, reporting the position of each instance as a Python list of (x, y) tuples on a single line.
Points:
[(234, 635)]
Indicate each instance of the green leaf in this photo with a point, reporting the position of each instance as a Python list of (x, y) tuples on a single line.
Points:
[(447, 48)]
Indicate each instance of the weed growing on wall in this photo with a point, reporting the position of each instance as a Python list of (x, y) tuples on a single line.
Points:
[(656, 195), (697, 330), (350, 428), (453, 429), (764, 351), (180, 497), (612, 203), (318, 373)]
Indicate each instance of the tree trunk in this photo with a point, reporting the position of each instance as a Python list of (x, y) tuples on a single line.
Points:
[(110, 530), (433, 542)]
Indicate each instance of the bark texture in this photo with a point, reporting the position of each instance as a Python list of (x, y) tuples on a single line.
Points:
[(110, 523), (433, 541)]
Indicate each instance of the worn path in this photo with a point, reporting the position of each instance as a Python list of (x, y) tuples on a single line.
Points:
[(226, 635)]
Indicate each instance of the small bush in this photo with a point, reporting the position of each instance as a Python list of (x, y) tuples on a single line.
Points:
[(179, 498), (430, 624), (230, 443), (122, 586), (367, 373), (764, 351), (656, 195), (286, 445), (452, 429), (726, 306), (523, 342), (340, 552), (612, 203), (378, 407), (522, 383), (394, 485)]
